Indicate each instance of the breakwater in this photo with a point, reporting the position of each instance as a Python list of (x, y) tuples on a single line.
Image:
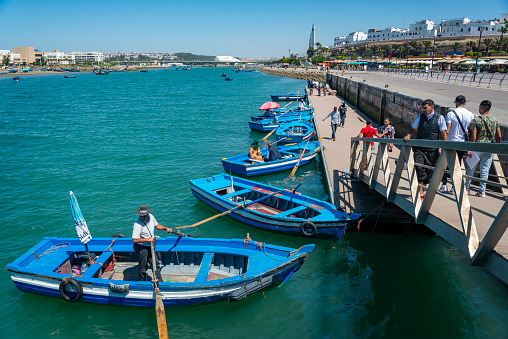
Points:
[(303, 74)]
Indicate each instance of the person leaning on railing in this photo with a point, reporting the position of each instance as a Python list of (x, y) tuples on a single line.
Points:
[(430, 126), (481, 131)]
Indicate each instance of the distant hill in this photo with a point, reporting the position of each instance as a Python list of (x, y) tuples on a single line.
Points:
[(193, 57)]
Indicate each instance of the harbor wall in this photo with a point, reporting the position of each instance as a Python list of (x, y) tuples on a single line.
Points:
[(304, 74)]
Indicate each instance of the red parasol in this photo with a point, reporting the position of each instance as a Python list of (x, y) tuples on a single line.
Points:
[(268, 106)]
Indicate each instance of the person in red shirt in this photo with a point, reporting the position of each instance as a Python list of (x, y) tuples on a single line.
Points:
[(368, 132)]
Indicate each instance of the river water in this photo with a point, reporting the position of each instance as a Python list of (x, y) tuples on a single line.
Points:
[(126, 139)]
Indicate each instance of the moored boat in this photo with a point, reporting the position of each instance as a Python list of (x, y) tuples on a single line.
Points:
[(271, 208), (289, 97), (269, 124), (193, 271), (228, 78), (294, 131), (295, 111), (69, 76), (143, 70), (244, 165)]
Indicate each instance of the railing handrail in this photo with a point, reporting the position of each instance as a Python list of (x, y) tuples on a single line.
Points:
[(484, 147)]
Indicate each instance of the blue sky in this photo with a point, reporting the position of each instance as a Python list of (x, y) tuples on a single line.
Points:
[(238, 28)]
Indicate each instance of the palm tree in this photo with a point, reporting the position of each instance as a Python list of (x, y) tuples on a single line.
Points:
[(501, 42), (401, 49), (471, 45), (488, 43), (456, 46), (503, 30), (368, 52), (426, 44), (389, 50), (379, 50), (414, 44)]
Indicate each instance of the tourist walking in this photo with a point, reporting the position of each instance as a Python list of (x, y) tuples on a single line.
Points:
[(142, 237), (368, 132), (457, 124), (334, 120), (386, 131), (324, 89), (342, 112), (429, 126), (484, 128), (319, 89)]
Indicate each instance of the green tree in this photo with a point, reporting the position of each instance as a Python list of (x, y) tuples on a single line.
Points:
[(5, 60), (426, 44), (414, 44), (503, 31), (310, 52), (400, 50), (471, 45), (456, 46), (379, 50), (501, 41), (389, 50), (367, 52), (488, 44)]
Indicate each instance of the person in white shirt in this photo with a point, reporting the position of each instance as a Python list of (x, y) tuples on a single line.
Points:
[(457, 124), (143, 236)]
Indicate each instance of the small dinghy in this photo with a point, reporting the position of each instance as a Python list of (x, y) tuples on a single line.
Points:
[(289, 97), (271, 208), (269, 124), (194, 271), (244, 165), (228, 78), (69, 76), (295, 111), (294, 131)]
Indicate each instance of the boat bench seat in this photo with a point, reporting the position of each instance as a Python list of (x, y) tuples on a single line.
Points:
[(291, 211), (94, 268), (232, 194), (205, 266)]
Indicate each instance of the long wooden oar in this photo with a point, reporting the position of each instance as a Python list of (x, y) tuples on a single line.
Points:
[(159, 305), (266, 137), (300, 159), (234, 209)]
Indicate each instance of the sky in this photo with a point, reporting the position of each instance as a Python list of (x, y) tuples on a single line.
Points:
[(238, 28)]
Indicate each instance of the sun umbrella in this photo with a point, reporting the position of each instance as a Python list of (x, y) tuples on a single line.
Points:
[(79, 221), (268, 106)]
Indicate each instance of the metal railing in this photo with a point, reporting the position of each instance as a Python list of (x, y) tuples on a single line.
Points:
[(473, 79), (389, 178)]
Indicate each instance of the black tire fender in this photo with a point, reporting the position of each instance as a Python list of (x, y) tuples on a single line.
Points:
[(77, 286), (306, 224)]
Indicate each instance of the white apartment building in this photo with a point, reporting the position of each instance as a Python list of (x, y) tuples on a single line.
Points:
[(87, 56), (465, 27), (352, 38), (390, 33), (340, 40)]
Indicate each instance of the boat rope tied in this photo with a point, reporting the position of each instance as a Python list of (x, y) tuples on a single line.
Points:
[(53, 248), (109, 248), (295, 251)]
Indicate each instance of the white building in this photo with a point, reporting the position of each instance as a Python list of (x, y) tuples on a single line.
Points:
[(87, 56), (466, 27), (390, 33), (340, 40), (352, 38), (227, 59)]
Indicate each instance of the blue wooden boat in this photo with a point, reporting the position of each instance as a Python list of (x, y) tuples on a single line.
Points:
[(223, 75), (294, 131), (289, 97), (193, 271), (16, 78), (69, 76), (272, 208), (143, 70), (270, 124), (228, 78), (244, 165), (281, 112), (13, 71)]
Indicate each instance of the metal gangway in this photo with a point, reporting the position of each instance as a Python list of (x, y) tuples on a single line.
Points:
[(476, 226)]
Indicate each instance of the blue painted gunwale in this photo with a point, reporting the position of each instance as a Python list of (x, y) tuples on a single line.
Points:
[(39, 276), (242, 164), (289, 97), (267, 124), (329, 223), (295, 111), (282, 133)]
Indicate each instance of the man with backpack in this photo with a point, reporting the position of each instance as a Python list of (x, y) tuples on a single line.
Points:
[(342, 113)]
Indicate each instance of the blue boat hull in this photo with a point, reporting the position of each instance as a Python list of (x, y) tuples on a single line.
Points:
[(267, 124), (258, 268), (289, 97)]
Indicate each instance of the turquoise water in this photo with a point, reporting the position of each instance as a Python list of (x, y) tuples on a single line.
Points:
[(127, 139)]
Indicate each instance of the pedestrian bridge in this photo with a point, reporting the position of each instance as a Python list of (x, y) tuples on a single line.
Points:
[(476, 226)]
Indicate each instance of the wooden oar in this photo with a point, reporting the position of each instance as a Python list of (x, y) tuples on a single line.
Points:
[(234, 209), (266, 137), (300, 159), (159, 305)]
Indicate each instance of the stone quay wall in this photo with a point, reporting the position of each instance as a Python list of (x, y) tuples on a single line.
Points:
[(299, 73)]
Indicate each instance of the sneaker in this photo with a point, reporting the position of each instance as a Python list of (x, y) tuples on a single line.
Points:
[(451, 191), (480, 194), (468, 191), (443, 189)]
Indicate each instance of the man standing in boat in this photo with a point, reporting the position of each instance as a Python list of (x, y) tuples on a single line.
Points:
[(142, 236)]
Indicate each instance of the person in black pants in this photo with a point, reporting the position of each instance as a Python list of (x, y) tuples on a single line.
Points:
[(429, 126)]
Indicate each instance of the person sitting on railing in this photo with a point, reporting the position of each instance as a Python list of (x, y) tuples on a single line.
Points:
[(481, 131), (457, 124), (429, 126)]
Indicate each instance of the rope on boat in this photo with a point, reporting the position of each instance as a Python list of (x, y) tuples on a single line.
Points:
[(360, 221), (53, 248)]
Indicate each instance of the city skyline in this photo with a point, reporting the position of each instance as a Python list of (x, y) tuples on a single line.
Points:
[(263, 29)]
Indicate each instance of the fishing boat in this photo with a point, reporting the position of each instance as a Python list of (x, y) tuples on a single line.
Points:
[(269, 124), (223, 75), (228, 78), (244, 165), (289, 97), (294, 131), (69, 76), (100, 72), (194, 271), (13, 71), (143, 70), (16, 78), (295, 111), (271, 208)]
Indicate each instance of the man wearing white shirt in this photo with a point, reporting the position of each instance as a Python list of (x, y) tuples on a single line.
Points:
[(457, 124), (429, 126)]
